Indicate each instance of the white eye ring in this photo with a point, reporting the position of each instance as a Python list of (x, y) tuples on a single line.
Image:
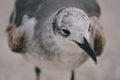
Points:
[(65, 32)]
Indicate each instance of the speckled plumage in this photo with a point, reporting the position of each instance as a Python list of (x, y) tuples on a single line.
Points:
[(45, 31)]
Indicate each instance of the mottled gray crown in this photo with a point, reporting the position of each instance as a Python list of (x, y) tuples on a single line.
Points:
[(67, 18)]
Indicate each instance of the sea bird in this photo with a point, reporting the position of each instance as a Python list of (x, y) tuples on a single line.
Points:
[(56, 34)]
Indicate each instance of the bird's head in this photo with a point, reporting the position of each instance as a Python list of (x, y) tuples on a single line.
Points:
[(73, 24)]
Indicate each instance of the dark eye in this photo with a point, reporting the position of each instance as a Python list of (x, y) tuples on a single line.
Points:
[(65, 32)]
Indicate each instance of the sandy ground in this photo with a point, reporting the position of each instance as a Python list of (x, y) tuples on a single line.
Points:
[(14, 67)]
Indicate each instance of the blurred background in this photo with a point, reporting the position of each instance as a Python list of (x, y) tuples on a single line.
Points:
[(14, 67)]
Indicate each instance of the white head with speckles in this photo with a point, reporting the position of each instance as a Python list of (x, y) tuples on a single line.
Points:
[(73, 25)]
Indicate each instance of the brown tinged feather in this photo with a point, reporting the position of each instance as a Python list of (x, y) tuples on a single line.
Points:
[(99, 42), (15, 39)]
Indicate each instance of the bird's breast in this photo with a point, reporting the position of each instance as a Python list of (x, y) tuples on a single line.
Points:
[(63, 56)]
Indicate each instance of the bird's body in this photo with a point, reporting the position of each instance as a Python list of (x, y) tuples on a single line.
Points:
[(35, 32)]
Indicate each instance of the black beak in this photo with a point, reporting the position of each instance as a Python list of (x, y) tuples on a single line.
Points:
[(87, 48)]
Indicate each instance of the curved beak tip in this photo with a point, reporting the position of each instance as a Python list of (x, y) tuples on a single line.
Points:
[(96, 62), (87, 48)]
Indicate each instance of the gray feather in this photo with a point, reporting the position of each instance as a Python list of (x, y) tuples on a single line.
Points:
[(41, 9)]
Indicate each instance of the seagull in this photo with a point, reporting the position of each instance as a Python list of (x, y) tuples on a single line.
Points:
[(56, 34)]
